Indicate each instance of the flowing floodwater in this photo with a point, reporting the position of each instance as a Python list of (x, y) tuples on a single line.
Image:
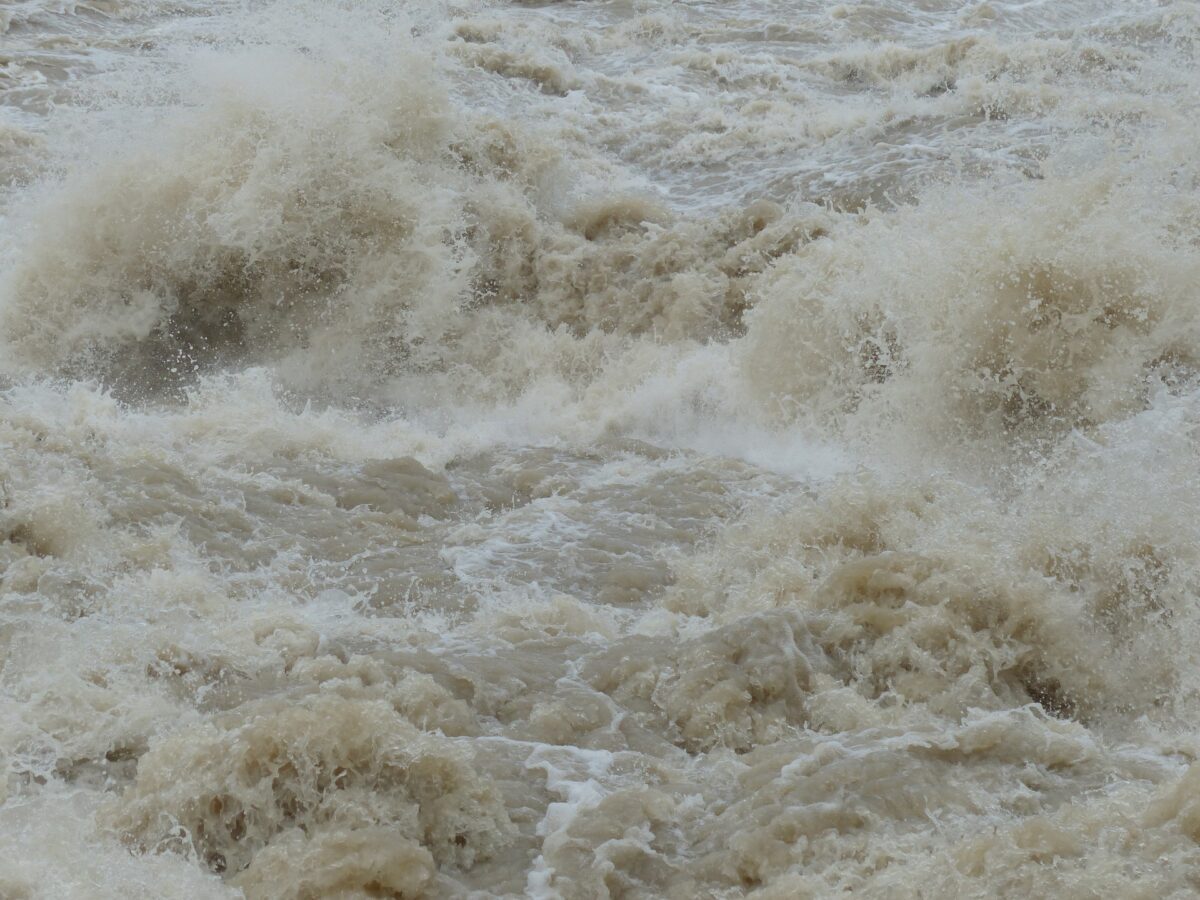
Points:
[(599, 449)]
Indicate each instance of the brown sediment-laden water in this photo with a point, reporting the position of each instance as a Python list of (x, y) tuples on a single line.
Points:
[(599, 449)]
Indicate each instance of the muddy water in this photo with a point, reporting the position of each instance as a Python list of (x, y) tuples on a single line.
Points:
[(614, 449)]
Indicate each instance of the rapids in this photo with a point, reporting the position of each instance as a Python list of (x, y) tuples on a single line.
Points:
[(485, 448)]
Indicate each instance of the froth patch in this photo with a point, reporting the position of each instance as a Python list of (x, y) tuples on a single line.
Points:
[(274, 786), (908, 605), (256, 220), (985, 316), (738, 686)]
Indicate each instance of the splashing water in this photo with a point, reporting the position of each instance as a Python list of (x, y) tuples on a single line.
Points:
[(619, 449)]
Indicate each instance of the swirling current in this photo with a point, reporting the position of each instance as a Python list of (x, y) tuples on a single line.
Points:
[(599, 449)]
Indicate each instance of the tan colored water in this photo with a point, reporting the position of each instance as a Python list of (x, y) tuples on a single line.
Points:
[(613, 449)]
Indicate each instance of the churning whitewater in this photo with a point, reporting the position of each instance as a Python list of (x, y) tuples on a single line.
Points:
[(622, 448)]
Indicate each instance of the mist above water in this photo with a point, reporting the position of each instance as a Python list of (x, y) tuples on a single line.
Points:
[(599, 450)]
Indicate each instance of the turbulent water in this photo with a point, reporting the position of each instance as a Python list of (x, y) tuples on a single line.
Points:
[(483, 448)]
